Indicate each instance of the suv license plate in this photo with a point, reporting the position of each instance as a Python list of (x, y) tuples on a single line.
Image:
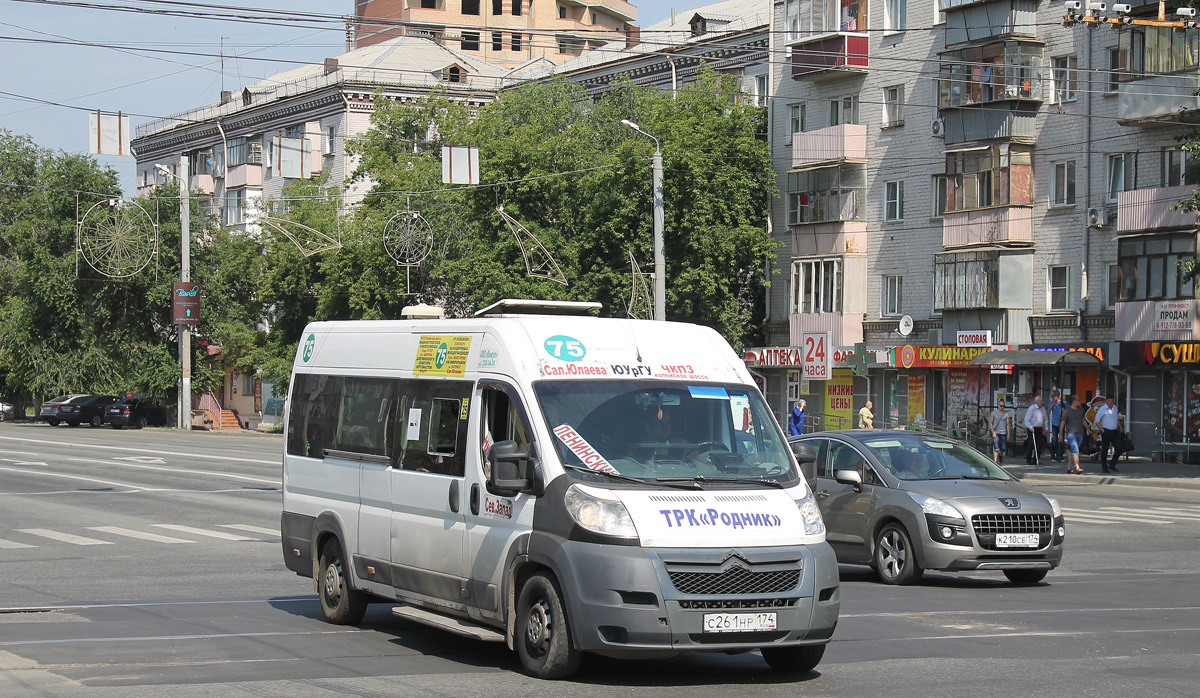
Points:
[(1017, 540), (738, 622)]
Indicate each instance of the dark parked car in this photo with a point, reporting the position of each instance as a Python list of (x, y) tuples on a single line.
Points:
[(89, 410), (903, 502), (50, 409), (136, 412)]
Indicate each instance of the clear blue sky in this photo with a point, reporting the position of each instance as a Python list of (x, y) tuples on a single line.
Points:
[(39, 47)]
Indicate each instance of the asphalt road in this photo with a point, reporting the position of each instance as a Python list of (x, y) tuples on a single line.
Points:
[(147, 563)]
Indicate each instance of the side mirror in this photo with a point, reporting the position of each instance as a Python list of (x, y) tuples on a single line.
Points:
[(849, 477), (505, 478), (806, 457)]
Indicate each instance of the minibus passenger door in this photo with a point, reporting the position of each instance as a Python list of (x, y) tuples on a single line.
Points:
[(495, 520), (427, 523)]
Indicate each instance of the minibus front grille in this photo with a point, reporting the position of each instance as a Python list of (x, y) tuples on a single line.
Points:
[(735, 580), (717, 604)]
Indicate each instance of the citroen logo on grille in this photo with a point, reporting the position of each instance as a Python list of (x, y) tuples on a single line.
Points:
[(1011, 502)]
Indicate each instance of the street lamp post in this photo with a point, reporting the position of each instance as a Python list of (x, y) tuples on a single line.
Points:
[(184, 408), (660, 260)]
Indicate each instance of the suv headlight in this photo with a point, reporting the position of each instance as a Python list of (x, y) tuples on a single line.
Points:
[(599, 511), (810, 512), (1054, 506), (935, 506)]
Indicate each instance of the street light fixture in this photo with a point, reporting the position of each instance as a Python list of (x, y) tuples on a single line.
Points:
[(184, 409), (660, 263)]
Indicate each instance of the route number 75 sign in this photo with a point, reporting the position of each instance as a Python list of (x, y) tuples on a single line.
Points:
[(817, 355)]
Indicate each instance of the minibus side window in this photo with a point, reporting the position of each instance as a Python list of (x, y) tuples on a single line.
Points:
[(364, 420), (502, 420), (314, 413), (434, 420)]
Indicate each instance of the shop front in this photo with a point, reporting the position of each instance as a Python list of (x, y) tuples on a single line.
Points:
[(944, 391), (832, 403), (1164, 405)]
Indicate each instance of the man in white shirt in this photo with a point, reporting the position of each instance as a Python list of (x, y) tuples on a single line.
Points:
[(1110, 435), (1035, 422)]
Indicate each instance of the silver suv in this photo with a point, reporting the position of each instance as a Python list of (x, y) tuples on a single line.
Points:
[(903, 502)]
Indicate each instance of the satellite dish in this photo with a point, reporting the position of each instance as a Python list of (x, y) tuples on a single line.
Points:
[(906, 326)]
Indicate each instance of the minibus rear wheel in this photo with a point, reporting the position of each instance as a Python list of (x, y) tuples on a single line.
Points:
[(341, 604), (542, 634)]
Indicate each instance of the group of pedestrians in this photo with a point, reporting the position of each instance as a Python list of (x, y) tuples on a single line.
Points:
[(1068, 425), (866, 418)]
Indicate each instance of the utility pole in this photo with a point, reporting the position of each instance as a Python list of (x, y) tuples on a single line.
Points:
[(185, 275), (660, 258)]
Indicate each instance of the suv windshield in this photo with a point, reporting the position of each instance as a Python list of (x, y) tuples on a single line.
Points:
[(668, 431), (917, 457)]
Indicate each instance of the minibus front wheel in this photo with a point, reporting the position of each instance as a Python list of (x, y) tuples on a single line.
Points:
[(341, 604), (543, 637)]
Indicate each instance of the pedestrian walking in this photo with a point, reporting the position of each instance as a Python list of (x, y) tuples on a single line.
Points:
[(1056, 442), (1072, 430), (1035, 423), (1001, 425), (866, 418), (1110, 434), (796, 420)]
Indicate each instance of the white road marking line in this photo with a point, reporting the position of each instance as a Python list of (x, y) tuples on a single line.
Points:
[(1115, 516), (1177, 513), (146, 450), (118, 531), (13, 545), (161, 638), (1127, 511), (203, 532), (187, 471), (75, 477), (1074, 519), (252, 529), (63, 537)]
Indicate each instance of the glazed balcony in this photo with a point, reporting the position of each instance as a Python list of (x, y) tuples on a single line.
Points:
[(998, 225), (829, 55)]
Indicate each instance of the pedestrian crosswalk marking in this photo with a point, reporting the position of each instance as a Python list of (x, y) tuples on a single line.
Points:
[(63, 537), (251, 529), (13, 545), (118, 531), (1092, 515), (202, 532)]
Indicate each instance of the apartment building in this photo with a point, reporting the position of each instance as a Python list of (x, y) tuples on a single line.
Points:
[(244, 149), (503, 32), (964, 175)]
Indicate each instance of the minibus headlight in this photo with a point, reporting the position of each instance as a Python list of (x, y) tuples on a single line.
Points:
[(813, 523), (599, 511)]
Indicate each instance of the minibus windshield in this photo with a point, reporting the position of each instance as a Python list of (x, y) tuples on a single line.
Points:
[(651, 430)]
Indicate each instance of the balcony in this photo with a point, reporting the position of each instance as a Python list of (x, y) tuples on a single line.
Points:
[(1013, 120), (1150, 209), (845, 329), (977, 279), (829, 238), (998, 225), (832, 144), (1158, 96), (202, 183), (830, 55), (244, 176), (972, 20), (616, 8), (1138, 320)]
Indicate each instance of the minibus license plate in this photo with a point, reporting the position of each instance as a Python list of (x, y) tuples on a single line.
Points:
[(738, 622), (1017, 540)]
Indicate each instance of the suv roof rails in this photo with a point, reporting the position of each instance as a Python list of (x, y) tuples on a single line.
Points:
[(518, 306)]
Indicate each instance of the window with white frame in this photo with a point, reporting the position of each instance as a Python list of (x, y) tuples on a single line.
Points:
[(760, 90), (895, 15), (817, 285), (1174, 167), (893, 106), (843, 110), (939, 17), (1063, 186), (1122, 174), (235, 206), (893, 295), (1114, 285), (1066, 78), (235, 151), (893, 204), (1059, 288), (797, 116), (791, 19)]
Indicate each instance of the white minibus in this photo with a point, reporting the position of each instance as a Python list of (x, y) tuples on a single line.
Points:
[(558, 482)]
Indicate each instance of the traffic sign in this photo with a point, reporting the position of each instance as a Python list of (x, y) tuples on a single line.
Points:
[(185, 303)]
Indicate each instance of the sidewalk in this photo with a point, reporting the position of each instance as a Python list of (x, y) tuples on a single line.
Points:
[(1135, 472)]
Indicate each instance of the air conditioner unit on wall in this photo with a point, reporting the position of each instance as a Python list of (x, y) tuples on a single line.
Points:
[(1097, 217), (938, 128)]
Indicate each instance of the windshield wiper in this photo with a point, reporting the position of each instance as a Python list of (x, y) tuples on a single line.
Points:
[(701, 479), (614, 476), (966, 477)]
